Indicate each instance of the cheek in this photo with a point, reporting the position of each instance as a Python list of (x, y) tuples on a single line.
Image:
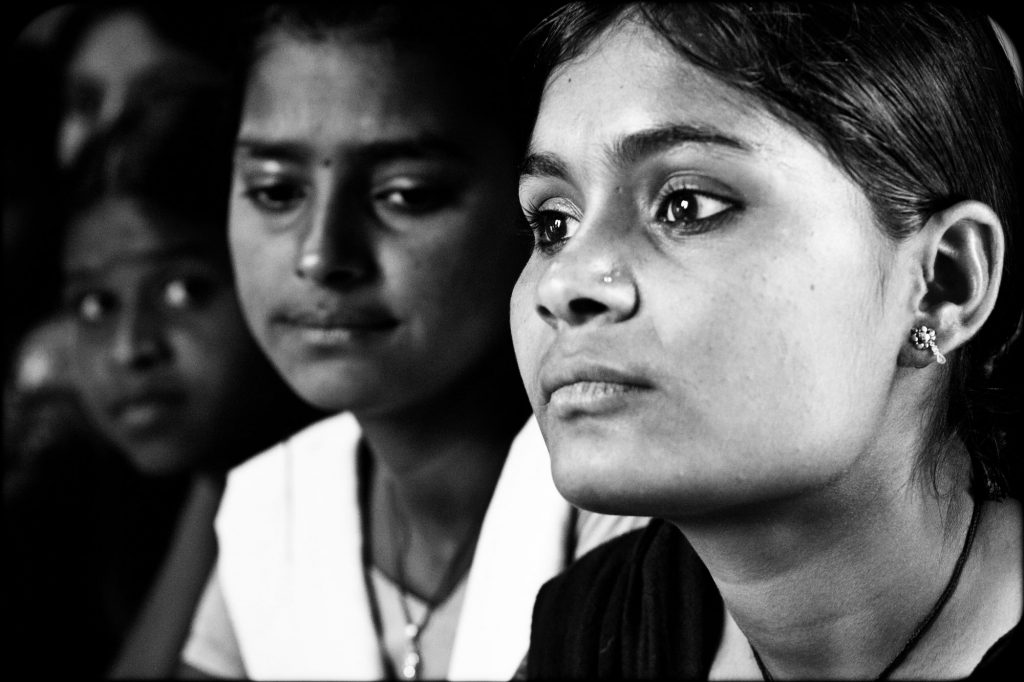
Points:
[(92, 374), (258, 272), (527, 328), (91, 355), (774, 356), (459, 276), (213, 345)]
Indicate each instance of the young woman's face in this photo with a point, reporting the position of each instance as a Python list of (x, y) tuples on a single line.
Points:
[(706, 319), (371, 224), (161, 350)]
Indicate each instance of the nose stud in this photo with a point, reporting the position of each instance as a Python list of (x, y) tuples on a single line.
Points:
[(923, 338), (307, 262)]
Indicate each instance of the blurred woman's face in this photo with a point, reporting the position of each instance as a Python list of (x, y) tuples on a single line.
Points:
[(707, 318), (371, 224), (114, 57), (163, 357)]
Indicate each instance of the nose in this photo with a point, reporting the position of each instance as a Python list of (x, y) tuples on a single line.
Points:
[(586, 283), (139, 342), (335, 251)]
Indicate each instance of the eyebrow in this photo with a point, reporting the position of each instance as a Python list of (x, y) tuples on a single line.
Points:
[(644, 143), (200, 249), (426, 146), (631, 148), (543, 164)]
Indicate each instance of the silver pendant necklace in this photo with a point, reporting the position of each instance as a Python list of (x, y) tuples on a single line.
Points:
[(412, 658)]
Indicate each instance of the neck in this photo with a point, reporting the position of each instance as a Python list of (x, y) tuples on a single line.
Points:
[(436, 466), (442, 456), (811, 581)]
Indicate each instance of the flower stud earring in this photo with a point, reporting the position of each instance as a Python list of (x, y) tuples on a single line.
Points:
[(923, 338)]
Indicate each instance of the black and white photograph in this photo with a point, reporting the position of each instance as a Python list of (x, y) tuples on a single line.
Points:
[(586, 339)]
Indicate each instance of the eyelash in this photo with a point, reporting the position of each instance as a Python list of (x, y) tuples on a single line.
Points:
[(417, 199), (696, 225), (259, 196), (412, 200), (535, 217)]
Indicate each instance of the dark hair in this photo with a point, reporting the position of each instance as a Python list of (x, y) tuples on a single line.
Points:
[(206, 31), (477, 46), (171, 154), (916, 102)]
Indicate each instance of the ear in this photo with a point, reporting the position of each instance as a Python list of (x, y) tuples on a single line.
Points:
[(961, 262)]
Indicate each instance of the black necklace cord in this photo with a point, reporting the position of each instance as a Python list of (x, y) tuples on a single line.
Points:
[(453, 572), (364, 476), (930, 617), (954, 581)]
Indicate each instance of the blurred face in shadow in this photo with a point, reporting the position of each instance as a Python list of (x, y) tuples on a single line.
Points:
[(163, 358), (709, 318), (116, 55), (371, 224)]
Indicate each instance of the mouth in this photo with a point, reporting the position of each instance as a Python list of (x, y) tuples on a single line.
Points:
[(337, 328), (148, 409), (582, 389)]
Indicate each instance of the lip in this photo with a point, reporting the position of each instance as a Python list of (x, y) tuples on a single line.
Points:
[(581, 386), (147, 409), (337, 327)]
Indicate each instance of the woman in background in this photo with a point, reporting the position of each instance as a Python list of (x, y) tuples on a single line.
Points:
[(373, 230), (111, 552), (772, 302), (118, 53)]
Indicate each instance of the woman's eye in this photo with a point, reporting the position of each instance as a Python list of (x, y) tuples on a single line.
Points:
[(93, 306), (187, 292), (550, 228), (690, 207), (278, 197), (413, 199)]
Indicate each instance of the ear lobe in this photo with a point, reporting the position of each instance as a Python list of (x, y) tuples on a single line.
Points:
[(962, 269)]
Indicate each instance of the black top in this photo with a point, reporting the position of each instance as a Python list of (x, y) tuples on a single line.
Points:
[(644, 606)]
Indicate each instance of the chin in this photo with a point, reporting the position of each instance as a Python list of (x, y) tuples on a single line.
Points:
[(336, 393), (693, 480), (599, 477), (160, 458), (331, 389)]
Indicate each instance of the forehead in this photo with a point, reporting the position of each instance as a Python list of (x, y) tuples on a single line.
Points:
[(336, 91), (119, 231), (119, 45), (630, 79)]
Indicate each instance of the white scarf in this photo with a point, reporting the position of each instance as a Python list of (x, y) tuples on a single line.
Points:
[(291, 573)]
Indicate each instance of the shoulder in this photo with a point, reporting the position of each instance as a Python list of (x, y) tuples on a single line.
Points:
[(570, 610), (1005, 659), (582, 592), (598, 571), (322, 440), (318, 460), (999, 544), (641, 605)]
